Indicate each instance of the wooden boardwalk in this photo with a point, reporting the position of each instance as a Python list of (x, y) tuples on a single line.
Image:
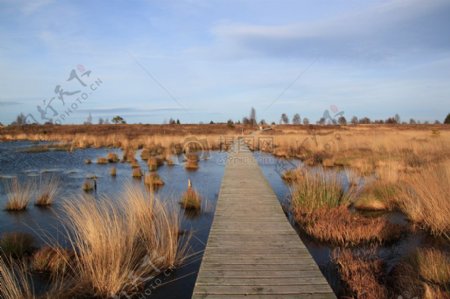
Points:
[(252, 250)]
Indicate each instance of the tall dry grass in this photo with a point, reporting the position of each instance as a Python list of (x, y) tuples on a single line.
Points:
[(424, 198), (48, 190), (19, 194), (313, 190), (15, 280), (121, 244)]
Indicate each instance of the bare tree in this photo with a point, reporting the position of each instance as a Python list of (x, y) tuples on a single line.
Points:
[(284, 119), (305, 121), (253, 117), (342, 121), (354, 120), (296, 120)]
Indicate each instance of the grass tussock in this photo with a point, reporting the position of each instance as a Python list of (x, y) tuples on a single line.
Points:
[(424, 198), (191, 200), (361, 273), (339, 226), (88, 185), (120, 244), (112, 158), (136, 172), (52, 259), (19, 194), (113, 171), (377, 196), (433, 265), (102, 160), (16, 244), (88, 161), (48, 191), (15, 280), (315, 190), (191, 161), (154, 163), (153, 180)]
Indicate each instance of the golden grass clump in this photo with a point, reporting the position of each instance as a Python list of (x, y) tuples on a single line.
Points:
[(102, 160), (15, 280), (433, 265), (191, 161), (48, 191), (88, 185), (52, 259), (377, 196), (113, 171), (16, 244), (119, 245), (129, 155), (191, 200), (424, 198), (154, 162), (153, 180), (319, 189), (112, 158), (18, 194), (339, 226), (361, 272), (136, 172)]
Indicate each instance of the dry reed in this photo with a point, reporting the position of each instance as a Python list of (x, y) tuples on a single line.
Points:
[(19, 194), (48, 191), (119, 245)]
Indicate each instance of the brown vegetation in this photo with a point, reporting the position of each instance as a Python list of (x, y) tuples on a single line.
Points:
[(339, 226), (153, 180), (18, 194), (47, 191), (361, 272), (16, 244), (425, 198), (120, 244), (191, 199)]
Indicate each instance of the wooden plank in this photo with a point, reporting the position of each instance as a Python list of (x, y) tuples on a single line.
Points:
[(252, 250)]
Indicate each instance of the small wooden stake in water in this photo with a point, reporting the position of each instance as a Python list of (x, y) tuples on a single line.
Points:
[(189, 184)]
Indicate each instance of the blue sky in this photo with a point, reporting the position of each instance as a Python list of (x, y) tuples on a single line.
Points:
[(202, 60)]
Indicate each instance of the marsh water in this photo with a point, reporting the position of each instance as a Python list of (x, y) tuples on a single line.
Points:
[(45, 224)]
